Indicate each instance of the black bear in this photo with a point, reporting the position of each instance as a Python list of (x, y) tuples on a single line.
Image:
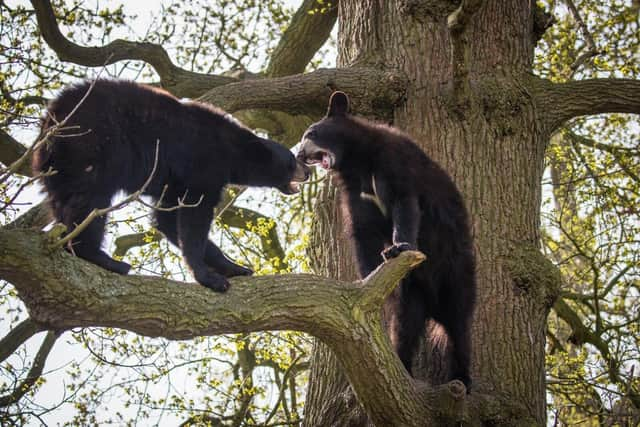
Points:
[(109, 144), (395, 198)]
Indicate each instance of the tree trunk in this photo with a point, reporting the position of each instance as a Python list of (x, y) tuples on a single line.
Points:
[(493, 147)]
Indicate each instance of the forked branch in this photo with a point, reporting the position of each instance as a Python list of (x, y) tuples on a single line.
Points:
[(62, 292)]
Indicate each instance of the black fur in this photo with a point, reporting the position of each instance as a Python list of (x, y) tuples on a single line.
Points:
[(394, 199), (109, 145)]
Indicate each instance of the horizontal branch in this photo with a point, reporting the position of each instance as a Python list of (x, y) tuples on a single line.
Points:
[(180, 82), (559, 102), (61, 292), (308, 93)]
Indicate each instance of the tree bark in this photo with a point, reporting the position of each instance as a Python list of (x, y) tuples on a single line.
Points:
[(493, 146), (61, 292), (456, 75)]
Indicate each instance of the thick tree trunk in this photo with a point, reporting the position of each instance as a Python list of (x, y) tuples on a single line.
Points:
[(493, 146)]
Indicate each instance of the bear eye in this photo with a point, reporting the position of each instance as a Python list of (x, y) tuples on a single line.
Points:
[(312, 134)]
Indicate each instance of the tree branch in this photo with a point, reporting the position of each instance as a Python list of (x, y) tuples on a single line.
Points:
[(308, 93), (559, 102), (34, 373), (11, 150), (581, 334), (592, 50), (37, 217), (306, 33), (180, 82), (62, 292), (270, 242), (128, 241), (18, 336)]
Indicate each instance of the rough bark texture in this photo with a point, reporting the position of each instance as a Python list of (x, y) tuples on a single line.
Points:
[(454, 74), (308, 93), (63, 292), (493, 147)]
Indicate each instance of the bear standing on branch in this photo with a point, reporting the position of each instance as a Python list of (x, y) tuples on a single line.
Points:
[(394, 199), (113, 135)]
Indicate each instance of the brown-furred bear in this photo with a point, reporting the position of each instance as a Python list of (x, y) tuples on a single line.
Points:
[(395, 198), (108, 144)]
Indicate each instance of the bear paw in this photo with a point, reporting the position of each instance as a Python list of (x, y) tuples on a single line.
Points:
[(214, 281), (395, 249), (121, 267), (236, 270)]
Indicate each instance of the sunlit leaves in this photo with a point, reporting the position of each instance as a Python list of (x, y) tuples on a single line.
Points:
[(591, 221)]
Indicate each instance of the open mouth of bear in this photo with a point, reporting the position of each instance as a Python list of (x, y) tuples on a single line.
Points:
[(320, 157)]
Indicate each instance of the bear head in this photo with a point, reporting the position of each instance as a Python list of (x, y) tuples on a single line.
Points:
[(276, 166), (324, 143)]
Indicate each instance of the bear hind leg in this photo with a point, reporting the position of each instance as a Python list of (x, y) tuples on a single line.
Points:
[(456, 322), (407, 321), (87, 245), (459, 337)]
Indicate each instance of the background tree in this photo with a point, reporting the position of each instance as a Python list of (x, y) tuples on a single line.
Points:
[(537, 170)]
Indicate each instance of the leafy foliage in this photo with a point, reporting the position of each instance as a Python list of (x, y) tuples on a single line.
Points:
[(113, 376), (591, 227)]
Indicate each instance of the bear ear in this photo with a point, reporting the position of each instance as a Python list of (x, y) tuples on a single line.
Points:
[(338, 104)]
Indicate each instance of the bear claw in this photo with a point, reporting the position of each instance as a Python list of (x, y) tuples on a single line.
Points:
[(237, 270), (214, 281), (395, 249)]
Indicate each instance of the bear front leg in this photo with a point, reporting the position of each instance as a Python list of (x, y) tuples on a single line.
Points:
[(193, 231), (368, 242), (405, 215)]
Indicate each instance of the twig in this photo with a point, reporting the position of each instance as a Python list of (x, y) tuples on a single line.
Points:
[(49, 132), (239, 190), (30, 181), (592, 50), (100, 212), (34, 373), (181, 204)]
